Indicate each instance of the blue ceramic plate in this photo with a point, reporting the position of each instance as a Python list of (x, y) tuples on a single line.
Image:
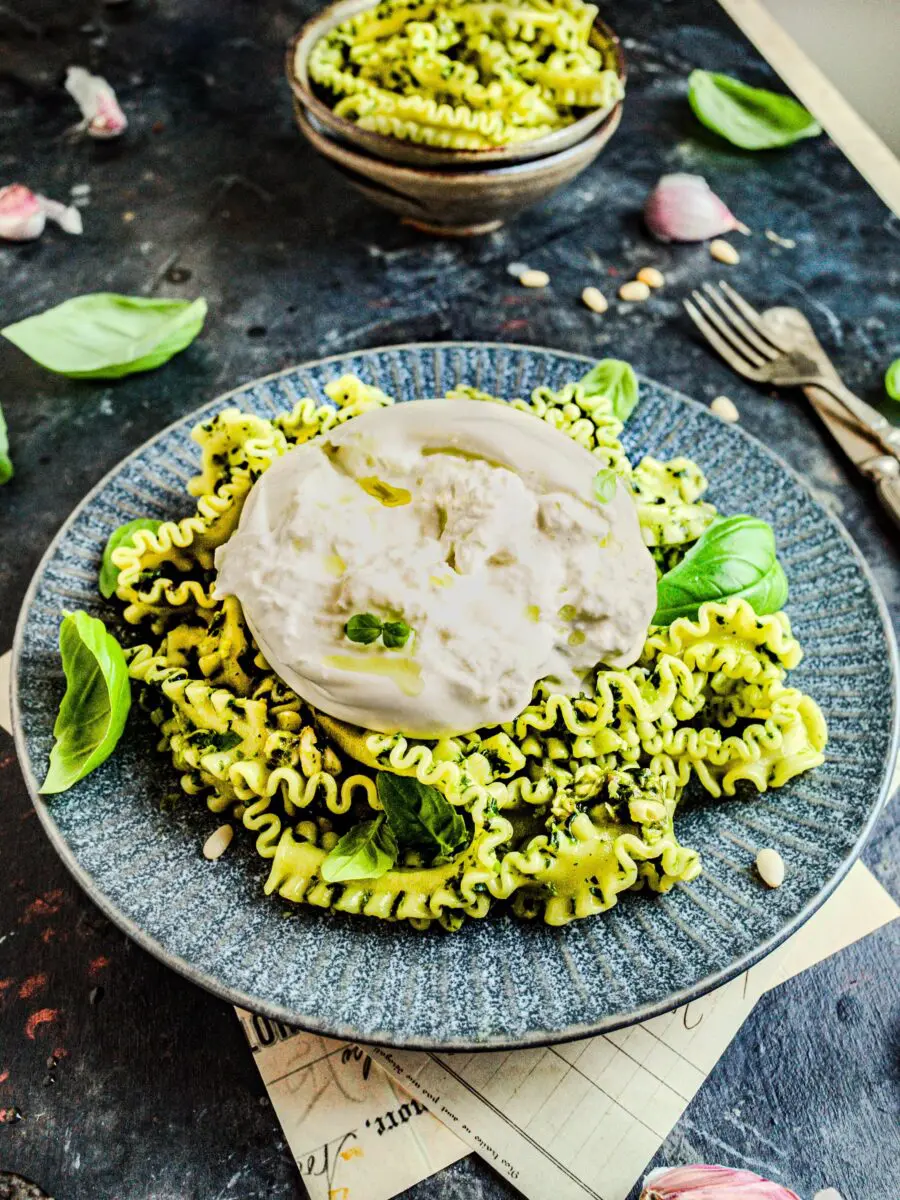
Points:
[(498, 982)]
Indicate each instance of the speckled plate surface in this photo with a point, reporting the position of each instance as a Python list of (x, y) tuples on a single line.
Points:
[(498, 982)]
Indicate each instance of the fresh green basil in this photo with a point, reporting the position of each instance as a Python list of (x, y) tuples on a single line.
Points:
[(123, 536), (735, 556), (6, 467), (616, 380), (364, 628), (366, 851), (94, 708), (105, 336), (749, 117), (605, 485), (420, 816), (395, 634), (891, 382)]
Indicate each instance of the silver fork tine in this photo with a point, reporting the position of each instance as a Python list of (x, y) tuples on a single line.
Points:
[(719, 344), (750, 314), (727, 331), (765, 348)]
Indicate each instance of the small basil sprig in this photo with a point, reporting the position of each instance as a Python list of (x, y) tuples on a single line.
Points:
[(749, 117), (366, 851), (94, 708), (366, 628), (421, 817), (6, 467), (891, 382), (735, 556), (105, 336), (605, 484), (123, 536), (616, 380)]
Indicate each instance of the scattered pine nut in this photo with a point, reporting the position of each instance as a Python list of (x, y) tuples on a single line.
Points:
[(725, 408), (653, 277), (128, 217), (218, 842), (635, 292), (594, 299), (724, 252), (517, 269), (534, 279), (770, 866)]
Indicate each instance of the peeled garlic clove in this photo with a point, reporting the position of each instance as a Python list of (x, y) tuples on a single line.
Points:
[(103, 118), (684, 208), (701, 1182), (22, 218)]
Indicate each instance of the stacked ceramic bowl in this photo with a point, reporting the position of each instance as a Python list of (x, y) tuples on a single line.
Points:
[(446, 191)]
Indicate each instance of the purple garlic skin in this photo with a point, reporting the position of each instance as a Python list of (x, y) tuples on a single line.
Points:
[(700, 1181), (684, 208)]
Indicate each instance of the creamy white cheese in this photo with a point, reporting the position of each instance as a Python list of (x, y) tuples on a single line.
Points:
[(474, 523)]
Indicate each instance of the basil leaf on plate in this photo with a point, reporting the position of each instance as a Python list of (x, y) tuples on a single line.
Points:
[(367, 851), (105, 336), (615, 379), (735, 556), (749, 117), (395, 634), (605, 485), (891, 382), (98, 695), (6, 467), (364, 628), (109, 573), (420, 816)]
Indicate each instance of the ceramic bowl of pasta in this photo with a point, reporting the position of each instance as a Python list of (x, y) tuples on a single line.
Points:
[(445, 695), (451, 83), (446, 202)]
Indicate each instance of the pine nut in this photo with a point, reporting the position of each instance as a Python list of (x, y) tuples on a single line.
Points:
[(534, 279), (634, 292), (329, 841), (724, 252), (594, 299), (725, 408), (653, 277), (770, 866), (218, 842)]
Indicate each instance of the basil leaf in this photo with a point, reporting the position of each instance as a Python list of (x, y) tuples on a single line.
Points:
[(6, 467), (749, 117), (616, 380), (605, 485), (98, 695), (109, 572), (420, 816), (105, 336), (891, 384), (366, 851), (364, 628), (395, 634), (733, 557)]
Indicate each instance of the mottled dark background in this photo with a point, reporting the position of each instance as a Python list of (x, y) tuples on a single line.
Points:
[(118, 1080)]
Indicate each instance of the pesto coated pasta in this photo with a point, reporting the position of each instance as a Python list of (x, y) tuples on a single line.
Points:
[(557, 811), (466, 76)]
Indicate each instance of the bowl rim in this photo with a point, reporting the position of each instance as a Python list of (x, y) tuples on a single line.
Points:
[(232, 995), (355, 159), (385, 146)]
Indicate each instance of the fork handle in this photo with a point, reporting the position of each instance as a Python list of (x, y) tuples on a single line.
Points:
[(885, 471), (877, 427)]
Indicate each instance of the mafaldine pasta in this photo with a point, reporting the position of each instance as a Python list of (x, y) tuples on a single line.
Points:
[(466, 76), (566, 806)]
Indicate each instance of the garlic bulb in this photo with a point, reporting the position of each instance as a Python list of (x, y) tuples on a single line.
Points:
[(103, 118), (684, 208), (701, 1182), (23, 214)]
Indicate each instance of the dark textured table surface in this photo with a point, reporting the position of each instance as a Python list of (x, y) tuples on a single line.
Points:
[(119, 1080)]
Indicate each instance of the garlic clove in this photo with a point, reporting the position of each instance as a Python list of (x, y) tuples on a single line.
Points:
[(22, 218), (103, 118), (684, 208), (700, 1181)]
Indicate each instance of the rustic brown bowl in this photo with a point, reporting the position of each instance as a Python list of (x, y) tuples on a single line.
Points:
[(311, 98), (458, 203)]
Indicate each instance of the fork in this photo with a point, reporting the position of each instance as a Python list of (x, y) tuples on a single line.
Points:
[(737, 331)]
